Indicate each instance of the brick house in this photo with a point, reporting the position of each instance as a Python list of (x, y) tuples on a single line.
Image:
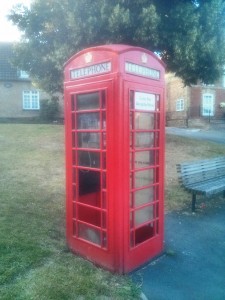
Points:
[(194, 105), (19, 98)]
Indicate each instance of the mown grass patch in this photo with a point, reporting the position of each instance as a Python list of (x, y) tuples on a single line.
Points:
[(34, 259)]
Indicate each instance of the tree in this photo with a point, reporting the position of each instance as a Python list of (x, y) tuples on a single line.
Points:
[(189, 34)]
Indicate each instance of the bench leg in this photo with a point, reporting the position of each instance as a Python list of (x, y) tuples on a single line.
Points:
[(193, 202)]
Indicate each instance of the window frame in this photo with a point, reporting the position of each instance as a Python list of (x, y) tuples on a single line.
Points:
[(180, 104), (32, 102), (207, 107), (24, 74)]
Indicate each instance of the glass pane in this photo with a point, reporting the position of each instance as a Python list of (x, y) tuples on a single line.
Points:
[(144, 233), (74, 175), (89, 215), (74, 210), (144, 215), (132, 239), (131, 120), (157, 227), (104, 240), (132, 140), (92, 198), (104, 180), (144, 178), (156, 144), (89, 182), (73, 121), (104, 141), (157, 210), (143, 196), (89, 140), (144, 120), (103, 100), (158, 102), (104, 161), (132, 200), (34, 103), (157, 121), (103, 120), (144, 139), (131, 219), (74, 197), (89, 159), (131, 160), (88, 101), (73, 103), (131, 99), (73, 139), (132, 180), (104, 222), (144, 159), (90, 234), (74, 228), (88, 121)]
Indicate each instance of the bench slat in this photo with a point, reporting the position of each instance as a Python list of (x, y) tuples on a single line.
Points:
[(209, 186), (186, 179), (201, 170), (216, 165), (203, 176)]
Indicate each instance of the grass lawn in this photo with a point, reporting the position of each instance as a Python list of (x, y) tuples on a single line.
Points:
[(34, 260)]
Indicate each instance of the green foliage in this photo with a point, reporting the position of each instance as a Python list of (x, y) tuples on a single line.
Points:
[(189, 34), (49, 109), (196, 40)]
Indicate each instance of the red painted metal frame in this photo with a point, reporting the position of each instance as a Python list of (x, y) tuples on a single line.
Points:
[(122, 245)]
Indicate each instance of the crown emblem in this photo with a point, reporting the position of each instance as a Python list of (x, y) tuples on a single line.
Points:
[(88, 57), (144, 58)]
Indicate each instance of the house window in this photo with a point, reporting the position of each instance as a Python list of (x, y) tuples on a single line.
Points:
[(24, 74), (31, 100), (207, 105), (180, 105)]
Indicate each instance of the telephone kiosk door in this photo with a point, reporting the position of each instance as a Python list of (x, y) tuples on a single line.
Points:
[(88, 224), (146, 155)]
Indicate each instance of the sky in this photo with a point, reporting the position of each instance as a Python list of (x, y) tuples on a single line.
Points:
[(8, 32)]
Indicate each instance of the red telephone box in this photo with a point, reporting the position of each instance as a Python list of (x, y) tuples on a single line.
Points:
[(114, 119)]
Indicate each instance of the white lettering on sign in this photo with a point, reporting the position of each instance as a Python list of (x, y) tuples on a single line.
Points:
[(142, 71), (144, 101), (91, 70)]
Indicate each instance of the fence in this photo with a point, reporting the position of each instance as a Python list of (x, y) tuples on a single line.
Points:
[(202, 114)]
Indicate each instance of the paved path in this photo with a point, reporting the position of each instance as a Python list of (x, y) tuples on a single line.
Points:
[(217, 136), (193, 266)]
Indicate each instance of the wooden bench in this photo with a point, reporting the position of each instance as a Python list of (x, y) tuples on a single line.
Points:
[(206, 177)]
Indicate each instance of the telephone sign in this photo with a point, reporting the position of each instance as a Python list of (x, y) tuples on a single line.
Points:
[(141, 70), (144, 101), (114, 123), (90, 70)]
